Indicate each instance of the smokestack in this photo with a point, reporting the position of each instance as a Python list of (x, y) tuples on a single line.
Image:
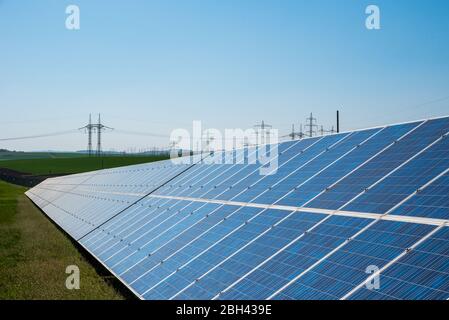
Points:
[(338, 121)]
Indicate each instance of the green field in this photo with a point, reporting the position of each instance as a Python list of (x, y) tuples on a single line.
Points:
[(34, 255), (75, 164), (18, 155)]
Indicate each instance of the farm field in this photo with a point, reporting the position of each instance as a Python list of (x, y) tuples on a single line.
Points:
[(18, 155), (51, 166)]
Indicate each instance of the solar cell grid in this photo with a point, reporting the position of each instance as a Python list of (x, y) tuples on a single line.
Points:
[(432, 202), (149, 233), (218, 252), (347, 267), (284, 193), (383, 164), (208, 175), (94, 199), (294, 259), (236, 265), (338, 170), (236, 184), (423, 273), (405, 181), (141, 253), (298, 158), (235, 220)]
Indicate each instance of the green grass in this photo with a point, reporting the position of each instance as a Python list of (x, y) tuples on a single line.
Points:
[(34, 255), (74, 165)]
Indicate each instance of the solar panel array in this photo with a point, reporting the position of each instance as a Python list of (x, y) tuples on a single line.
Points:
[(341, 212)]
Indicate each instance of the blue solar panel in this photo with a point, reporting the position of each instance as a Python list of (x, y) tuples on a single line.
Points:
[(296, 157), (226, 185), (144, 279), (387, 161), (284, 193), (211, 229), (210, 180), (422, 273), (87, 201), (219, 251), (432, 202), (290, 262), (347, 267), (349, 162), (226, 272), (151, 235), (405, 181)]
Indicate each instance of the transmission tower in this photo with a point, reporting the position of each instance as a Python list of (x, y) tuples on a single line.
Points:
[(301, 133), (90, 129), (311, 125), (264, 129), (331, 131), (295, 134), (100, 127)]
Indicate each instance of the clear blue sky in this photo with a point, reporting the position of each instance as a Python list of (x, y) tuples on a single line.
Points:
[(158, 65)]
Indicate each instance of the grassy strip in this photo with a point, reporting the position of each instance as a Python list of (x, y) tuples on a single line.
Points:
[(74, 165), (34, 255)]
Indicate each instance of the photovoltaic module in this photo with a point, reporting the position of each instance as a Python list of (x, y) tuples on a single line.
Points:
[(339, 211)]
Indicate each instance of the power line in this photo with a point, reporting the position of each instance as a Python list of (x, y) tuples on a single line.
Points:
[(45, 135), (91, 128), (428, 102), (138, 133)]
